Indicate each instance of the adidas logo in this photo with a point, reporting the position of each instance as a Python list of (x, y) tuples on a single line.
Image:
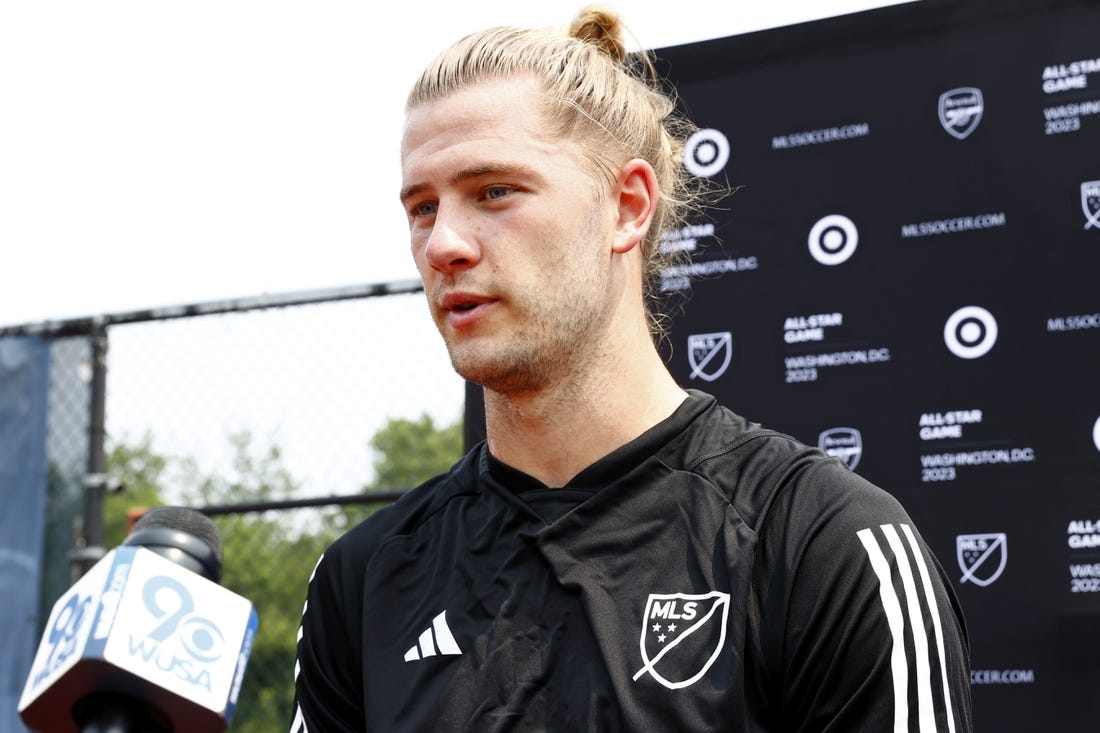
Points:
[(443, 643)]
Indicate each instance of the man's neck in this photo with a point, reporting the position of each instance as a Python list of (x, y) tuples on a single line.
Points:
[(555, 433)]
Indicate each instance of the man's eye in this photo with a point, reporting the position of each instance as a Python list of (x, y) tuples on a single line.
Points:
[(426, 208), (494, 193)]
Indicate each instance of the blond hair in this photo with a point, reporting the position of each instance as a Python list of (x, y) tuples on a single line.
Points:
[(609, 101)]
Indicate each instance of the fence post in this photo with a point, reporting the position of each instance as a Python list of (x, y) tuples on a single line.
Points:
[(88, 545)]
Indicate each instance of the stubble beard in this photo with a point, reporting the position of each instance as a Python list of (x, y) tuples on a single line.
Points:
[(547, 338), (547, 349)]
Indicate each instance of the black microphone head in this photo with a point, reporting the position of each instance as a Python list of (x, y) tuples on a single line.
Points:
[(185, 536)]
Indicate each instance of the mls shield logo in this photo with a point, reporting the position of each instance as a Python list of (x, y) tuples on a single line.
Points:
[(982, 557), (961, 111), (709, 355), (682, 636), (843, 443), (1090, 203)]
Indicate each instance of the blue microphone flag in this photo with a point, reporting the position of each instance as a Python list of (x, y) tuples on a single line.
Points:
[(140, 625)]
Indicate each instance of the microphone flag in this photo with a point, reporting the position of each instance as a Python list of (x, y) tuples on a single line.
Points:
[(140, 625)]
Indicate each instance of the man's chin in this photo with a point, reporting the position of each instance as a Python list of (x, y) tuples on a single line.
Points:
[(494, 374)]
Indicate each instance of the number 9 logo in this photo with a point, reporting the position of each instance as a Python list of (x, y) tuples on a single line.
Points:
[(167, 598)]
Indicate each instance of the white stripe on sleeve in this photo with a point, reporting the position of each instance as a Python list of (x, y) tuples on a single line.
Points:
[(299, 723), (930, 596), (925, 713), (892, 608)]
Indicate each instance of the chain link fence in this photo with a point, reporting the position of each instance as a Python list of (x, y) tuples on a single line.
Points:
[(67, 443), (313, 381), (259, 411)]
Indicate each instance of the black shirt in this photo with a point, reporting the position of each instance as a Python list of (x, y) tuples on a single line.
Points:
[(709, 575)]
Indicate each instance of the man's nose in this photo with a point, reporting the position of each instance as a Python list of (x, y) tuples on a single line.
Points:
[(451, 245)]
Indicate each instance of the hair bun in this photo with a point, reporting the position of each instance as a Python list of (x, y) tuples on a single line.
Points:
[(601, 27)]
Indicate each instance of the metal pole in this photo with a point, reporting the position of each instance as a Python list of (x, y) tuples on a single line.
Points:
[(88, 549)]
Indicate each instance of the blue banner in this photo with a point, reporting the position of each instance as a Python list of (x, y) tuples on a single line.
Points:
[(24, 379)]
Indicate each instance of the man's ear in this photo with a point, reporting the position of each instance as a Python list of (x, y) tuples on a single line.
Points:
[(636, 194)]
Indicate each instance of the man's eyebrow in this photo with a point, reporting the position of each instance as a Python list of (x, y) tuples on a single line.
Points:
[(512, 170)]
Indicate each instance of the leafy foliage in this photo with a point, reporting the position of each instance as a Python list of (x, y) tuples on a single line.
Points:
[(141, 472), (406, 454), (409, 452)]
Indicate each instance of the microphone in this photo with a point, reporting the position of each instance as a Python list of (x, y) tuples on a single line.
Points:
[(147, 641)]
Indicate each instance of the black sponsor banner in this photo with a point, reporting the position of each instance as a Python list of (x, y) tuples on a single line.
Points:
[(907, 275)]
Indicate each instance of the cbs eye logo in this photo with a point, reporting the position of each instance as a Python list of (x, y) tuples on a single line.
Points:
[(970, 332), (169, 601)]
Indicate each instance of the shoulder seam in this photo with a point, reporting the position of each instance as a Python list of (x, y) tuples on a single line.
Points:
[(733, 444), (429, 515)]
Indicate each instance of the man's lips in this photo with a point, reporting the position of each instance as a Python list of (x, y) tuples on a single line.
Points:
[(461, 301), (465, 308)]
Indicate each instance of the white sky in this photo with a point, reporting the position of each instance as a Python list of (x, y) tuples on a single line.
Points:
[(156, 153)]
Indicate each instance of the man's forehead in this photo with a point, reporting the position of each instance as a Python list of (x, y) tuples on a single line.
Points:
[(513, 103), (475, 130)]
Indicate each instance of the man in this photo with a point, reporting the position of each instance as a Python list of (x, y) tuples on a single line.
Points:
[(619, 554)]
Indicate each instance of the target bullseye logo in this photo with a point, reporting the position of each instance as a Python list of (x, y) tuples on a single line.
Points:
[(706, 152), (970, 332), (833, 239)]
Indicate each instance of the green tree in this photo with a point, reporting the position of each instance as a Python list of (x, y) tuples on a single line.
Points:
[(257, 474), (140, 471), (409, 452), (406, 454)]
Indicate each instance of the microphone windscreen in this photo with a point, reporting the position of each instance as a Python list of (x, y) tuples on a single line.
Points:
[(182, 535)]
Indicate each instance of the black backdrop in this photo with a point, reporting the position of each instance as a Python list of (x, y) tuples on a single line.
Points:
[(907, 275)]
